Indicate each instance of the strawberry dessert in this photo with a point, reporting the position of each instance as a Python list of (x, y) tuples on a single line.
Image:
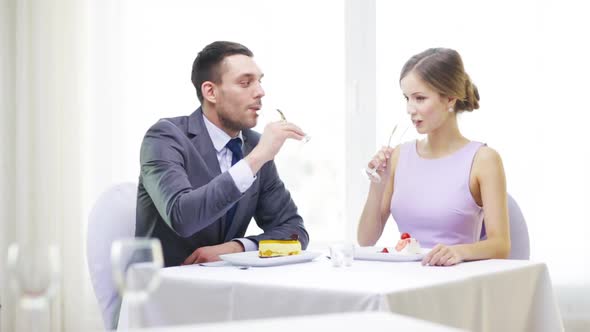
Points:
[(408, 245)]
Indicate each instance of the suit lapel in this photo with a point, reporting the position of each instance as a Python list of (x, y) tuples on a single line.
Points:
[(202, 142)]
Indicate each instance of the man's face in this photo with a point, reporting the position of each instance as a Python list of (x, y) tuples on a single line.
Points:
[(239, 94)]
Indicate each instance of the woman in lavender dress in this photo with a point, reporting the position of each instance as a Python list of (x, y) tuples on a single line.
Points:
[(440, 189)]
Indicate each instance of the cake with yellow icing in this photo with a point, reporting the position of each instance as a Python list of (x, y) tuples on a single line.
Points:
[(276, 248)]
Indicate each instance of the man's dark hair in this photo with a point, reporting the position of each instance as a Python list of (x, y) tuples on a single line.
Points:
[(206, 65)]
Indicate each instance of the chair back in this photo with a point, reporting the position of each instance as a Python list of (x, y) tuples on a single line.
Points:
[(111, 218), (519, 232)]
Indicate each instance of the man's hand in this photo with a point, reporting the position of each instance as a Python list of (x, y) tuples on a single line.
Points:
[(211, 253), (272, 139)]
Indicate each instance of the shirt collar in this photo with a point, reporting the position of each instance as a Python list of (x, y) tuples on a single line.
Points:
[(218, 136)]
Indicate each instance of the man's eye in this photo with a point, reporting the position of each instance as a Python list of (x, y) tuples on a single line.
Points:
[(245, 83)]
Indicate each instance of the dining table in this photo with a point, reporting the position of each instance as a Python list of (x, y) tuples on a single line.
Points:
[(349, 321), (484, 295)]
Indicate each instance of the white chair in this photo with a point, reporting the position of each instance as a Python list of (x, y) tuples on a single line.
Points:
[(519, 233), (112, 218)]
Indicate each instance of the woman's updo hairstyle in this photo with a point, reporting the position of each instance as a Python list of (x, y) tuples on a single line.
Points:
[(442, 69)]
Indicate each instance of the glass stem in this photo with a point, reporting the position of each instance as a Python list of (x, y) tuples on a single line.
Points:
[(34, 315), (135, 314)]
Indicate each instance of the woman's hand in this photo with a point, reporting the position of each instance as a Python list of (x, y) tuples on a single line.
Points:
[(443, 255), (380, 161), (376, 210)]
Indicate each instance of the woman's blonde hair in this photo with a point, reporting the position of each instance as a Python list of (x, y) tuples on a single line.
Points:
[(442, 69)]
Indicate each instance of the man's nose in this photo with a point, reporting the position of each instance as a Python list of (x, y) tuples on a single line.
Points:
[(259, 93)]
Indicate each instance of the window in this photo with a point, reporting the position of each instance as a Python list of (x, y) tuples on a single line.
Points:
[(304, 73), (527, 59)]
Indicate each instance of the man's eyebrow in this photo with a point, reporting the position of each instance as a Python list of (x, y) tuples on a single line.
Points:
[(250, 75)]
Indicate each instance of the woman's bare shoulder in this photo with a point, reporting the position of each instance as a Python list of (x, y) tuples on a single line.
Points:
[(487, 160), (488, 155)]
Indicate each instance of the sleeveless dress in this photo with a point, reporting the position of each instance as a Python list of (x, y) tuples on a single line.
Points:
[(431, 198)]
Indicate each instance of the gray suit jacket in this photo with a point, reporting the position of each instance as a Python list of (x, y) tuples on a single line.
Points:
[(183, 197)]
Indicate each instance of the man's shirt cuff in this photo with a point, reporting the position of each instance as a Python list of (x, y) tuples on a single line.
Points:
[(242, 175), (248, 244)]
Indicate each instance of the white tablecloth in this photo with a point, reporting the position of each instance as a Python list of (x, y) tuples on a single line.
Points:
[(491, 295), (354, 321)]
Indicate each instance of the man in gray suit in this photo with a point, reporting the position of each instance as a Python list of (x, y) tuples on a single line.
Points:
[(204, 176)]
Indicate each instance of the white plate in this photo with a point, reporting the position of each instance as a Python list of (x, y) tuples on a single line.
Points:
[(250, 258), (375, 254)]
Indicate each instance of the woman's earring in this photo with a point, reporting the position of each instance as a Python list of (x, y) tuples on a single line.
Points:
[(451, 110)]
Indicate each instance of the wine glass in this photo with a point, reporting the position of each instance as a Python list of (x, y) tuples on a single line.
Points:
[(135, 264), (34, 275), (371, 172), (342, 254), (305, 139)]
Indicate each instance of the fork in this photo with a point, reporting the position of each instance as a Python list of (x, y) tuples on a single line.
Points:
[(306, 138), (371, 172)]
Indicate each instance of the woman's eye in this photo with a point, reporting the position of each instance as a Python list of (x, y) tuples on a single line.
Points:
[(420, 98)]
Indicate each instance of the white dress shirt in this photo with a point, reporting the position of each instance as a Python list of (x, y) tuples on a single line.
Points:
[(241, 172)]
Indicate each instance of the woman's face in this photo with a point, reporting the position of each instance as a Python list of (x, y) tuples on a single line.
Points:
[(426, 107)]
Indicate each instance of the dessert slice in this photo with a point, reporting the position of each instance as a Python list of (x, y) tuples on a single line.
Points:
[(408, 245), (277, 248)]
